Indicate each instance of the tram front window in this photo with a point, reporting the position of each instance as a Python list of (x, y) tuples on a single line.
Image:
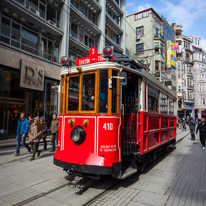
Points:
[(88, 92), (73, 104)]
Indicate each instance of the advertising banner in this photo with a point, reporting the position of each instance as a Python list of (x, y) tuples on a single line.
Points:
[(171, 54)]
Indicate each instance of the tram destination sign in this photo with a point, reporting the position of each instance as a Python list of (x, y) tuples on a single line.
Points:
[(92, 58), (31, 76)]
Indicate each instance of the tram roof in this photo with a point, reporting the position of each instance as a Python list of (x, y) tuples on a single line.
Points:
[(129, 65)]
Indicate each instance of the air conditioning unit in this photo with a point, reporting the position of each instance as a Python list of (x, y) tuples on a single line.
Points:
[(137, 37), (33, 10), (51, 22)]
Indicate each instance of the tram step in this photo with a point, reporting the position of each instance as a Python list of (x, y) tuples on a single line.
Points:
[(128, 172)]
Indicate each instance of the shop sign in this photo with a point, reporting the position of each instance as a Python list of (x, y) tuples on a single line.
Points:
[(157, 74), (31, 76)]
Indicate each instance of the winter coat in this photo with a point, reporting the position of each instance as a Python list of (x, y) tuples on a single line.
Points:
[(44, 132), (23, 126), (192, 125), (35, 132), (54, 125), (202, 129)]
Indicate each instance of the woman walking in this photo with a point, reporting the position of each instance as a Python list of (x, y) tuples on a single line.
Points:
[(34, 134), (44, 132)]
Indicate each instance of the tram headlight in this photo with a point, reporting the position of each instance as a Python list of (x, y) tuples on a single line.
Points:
[(78, 135)]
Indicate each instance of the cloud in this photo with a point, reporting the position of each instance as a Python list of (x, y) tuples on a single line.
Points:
[(142, 7), (130, 4)]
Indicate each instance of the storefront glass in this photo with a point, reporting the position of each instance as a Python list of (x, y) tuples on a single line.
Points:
[(14, 100)]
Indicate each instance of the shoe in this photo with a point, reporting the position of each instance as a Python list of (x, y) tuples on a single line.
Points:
[(32, 159), (15, 155), (38, 153), (203, 147), (51, 150)]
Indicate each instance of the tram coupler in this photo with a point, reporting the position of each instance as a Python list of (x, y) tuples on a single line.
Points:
[(76, 182)]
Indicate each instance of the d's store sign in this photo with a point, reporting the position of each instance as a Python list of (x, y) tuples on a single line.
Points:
[(31, 76)]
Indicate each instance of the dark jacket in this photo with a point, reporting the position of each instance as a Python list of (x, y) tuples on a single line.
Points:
[(44, 132), (23, 126), (201, 128), (54, 125), (192, 125)]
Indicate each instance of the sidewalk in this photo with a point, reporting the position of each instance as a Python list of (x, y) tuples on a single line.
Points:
[(12, 142)]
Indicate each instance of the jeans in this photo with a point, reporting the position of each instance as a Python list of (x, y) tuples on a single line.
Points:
[(192, 131), (45, 143), (20, 139), (54, 138), (34, 146)]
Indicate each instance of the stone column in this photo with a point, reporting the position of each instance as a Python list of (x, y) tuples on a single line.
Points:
[(123, 25), (101, 25), (199, 113)]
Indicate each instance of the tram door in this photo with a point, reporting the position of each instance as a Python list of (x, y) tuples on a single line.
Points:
[(130, 102)]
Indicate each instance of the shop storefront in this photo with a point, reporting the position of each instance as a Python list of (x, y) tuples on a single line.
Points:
[(31, 89)]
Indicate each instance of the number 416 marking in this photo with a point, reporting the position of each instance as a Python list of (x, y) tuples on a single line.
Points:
[(108, 126)]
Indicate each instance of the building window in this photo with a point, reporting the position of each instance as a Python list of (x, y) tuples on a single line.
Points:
[(75, 3), (156, 65), (83, 8), (139, 48), (199, 56), (74, 30), (203, 101), (198, 42), (161, 48), (157, 32), (192, 40), (140, 31), (178, 65), (156, 47), (162, 66)]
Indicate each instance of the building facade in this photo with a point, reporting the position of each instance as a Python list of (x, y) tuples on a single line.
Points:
[(199, 76), (184, 74), (34, 35)]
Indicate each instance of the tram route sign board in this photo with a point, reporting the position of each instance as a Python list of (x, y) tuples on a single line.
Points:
[(92, 58)]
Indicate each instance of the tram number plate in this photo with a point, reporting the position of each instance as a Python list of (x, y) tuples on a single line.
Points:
[(108, 126)]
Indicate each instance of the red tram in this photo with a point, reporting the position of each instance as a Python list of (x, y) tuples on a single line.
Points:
[(115, 117)]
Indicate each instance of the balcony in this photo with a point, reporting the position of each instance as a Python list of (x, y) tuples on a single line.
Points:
[(83, 21), (159, 37), (30, 18), (113, 5), (188, 61), (94, 4), (189, 74), (190, 87), (112, 43), (179, 39), (179, 29), (113, 24)]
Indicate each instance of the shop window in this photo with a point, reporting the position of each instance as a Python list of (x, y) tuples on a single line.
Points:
[(139, 48), (156, 65), (140, 31), (5, 30), (153, 98), (32, 3), (103, 91), (74, 30), (88, 92), (73, 101), (29, 40), (156, 47)]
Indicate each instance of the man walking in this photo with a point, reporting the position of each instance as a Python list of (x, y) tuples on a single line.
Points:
[(192, 125), (202, 132), (54, 130), (22, 130)]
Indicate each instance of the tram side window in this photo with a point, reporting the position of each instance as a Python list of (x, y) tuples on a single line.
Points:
[(114, 92), (103, 91), (73, 104), (152, 99), (88, 92)]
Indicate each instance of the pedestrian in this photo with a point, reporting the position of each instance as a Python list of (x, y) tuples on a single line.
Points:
[(44, 132), (34, 134), (202, 132), (183, 124), (22, 130), (54, 130), (192, 125), (30, 121)]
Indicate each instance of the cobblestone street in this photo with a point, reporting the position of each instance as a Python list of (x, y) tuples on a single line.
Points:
[(176, 178)]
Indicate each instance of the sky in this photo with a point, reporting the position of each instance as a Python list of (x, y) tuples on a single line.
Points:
[(191, 14)]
